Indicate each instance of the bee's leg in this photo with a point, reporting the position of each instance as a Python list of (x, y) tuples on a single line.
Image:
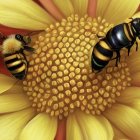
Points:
[(113, 58), (131, 18), (100, 37), (27, 48), (136, 46), (118, 58), (116, 62), (129, 47), (96, 72), (129, 51)]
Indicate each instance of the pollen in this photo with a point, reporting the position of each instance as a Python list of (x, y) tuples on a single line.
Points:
[(60, 79)]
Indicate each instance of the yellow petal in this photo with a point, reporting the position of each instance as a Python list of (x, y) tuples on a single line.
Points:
[(34, 10), (73, 129), (125, 119), (128, 94), (65, 6), (135, 103), (136, 79), (6, 83), (134, 62), (16, 88), (131, 97), (102, 5), (94, 128), (136, 15), (52, 9), (119, 135), (13, 102), (118, 11), (15, 14), (107, 126), (12, 124), (17, 20), (80, 6), (42, 127)]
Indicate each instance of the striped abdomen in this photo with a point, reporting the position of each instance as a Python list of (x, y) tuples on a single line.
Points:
[(129, 32), (16, 64), (101, 55)]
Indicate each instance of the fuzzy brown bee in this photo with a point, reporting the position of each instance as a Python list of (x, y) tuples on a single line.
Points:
[(13, 53)]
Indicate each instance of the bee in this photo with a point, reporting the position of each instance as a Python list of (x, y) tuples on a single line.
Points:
[(13, 48), (120, 36)]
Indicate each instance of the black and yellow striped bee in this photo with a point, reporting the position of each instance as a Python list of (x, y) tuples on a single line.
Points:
[(13, 48), (121, 36)]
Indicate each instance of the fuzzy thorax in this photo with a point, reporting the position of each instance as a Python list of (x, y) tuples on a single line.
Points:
[(11, 46)]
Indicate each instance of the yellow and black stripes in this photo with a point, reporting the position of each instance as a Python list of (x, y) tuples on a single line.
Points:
[(101, 55), (120, 36), (128, 32), (16, 64), (13, 48)]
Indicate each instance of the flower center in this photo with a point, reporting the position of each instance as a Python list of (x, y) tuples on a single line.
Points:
[(60, 79)]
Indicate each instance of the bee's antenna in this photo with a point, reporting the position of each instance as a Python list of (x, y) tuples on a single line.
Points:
[(33, 33)]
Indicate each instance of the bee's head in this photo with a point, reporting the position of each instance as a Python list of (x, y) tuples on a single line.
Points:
[(24, 39), (136, 26)]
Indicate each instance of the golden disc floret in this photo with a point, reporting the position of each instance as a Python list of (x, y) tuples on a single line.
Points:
[(59, 78)]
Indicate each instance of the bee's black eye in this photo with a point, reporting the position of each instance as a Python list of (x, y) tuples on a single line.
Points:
[(19, 37)]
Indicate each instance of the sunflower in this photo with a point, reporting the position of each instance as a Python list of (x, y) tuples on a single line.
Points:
[(61, 97)]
